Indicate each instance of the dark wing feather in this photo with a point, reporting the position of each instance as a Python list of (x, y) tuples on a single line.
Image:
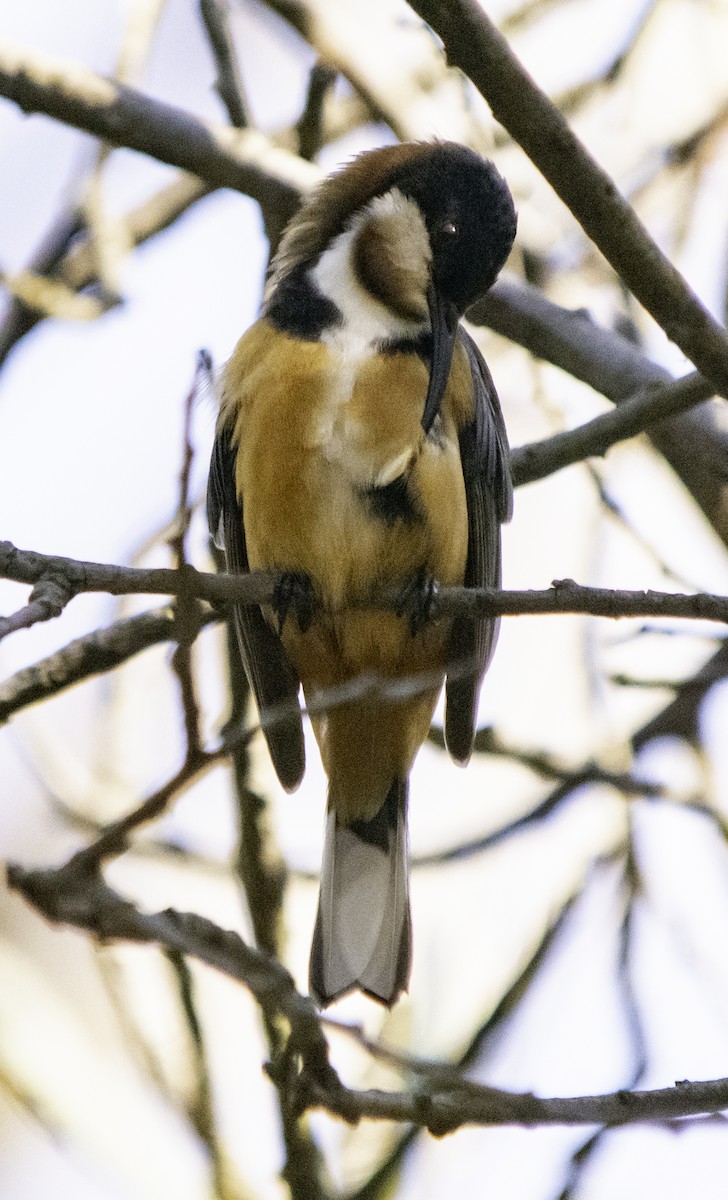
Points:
[(270, 674), (489, 491)]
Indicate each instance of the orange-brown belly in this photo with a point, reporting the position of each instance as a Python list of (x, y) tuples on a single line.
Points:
[(305, 464)]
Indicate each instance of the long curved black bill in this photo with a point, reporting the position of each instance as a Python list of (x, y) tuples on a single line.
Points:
[(444, 320)]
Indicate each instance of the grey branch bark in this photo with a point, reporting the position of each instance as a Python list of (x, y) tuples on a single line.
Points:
[(244, 159), (473, 43), (67, 577), (87, 656), (75, 896), (694, 443), (635, 415)]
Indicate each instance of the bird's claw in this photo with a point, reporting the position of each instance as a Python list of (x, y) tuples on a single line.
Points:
[(294, 592), (418, 600)]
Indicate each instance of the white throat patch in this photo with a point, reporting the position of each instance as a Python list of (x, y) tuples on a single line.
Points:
[(367, 321)]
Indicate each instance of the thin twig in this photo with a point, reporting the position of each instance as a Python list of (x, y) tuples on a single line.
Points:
[(186, 607), (93, 654), (488, 741), (74, 576), (229, 86), (201, 1109), (632, 888), (595, 437)]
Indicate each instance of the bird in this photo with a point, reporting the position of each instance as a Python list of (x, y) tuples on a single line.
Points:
[(360, 445)]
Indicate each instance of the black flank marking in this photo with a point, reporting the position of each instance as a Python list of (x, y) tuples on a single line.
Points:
[(394, 502), (376, 832), (298, 308)]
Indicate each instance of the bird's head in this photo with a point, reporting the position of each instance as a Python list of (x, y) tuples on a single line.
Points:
[(424, 228)]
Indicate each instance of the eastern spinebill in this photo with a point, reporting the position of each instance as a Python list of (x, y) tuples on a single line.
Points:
[(360, 444)]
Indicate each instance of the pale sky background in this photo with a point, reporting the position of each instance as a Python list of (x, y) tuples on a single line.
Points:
[(90, 449)]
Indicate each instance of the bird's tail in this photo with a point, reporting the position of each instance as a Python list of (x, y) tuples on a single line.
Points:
[(363, 936)]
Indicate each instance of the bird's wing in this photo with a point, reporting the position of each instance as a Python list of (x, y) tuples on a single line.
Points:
[(270, 674), (489, 491)]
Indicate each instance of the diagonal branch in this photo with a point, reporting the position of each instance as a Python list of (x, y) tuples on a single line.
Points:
[(84, 900), (229, 84), (75, 894), (595, 437), (473, 43), (694, 443), (94, 654), (244, 160)]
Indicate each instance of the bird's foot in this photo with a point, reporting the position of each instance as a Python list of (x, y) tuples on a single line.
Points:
[(295, 593), (418, 601)]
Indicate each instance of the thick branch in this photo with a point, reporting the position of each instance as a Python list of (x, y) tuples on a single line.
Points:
[(569, 338), (78, 896), (473, 43), (82, 899)]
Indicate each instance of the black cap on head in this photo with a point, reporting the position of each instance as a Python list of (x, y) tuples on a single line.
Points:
[(470, 217)]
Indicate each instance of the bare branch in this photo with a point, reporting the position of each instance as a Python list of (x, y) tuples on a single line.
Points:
[(473, 43), (680, 718), (310, 128), (595, 437), (69, 255), (186, 607), (78, 576), (488, 741), (72, 576), (443, 1112), (150, 217), (94, 654), (569, 338), (244, 160), (200, 1108), (21, 319), (694, 443), (76, 895), (107, 238), (47, 600), (113, 840), (50, 298), (394, 64), (229, 85), (79, 897)]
